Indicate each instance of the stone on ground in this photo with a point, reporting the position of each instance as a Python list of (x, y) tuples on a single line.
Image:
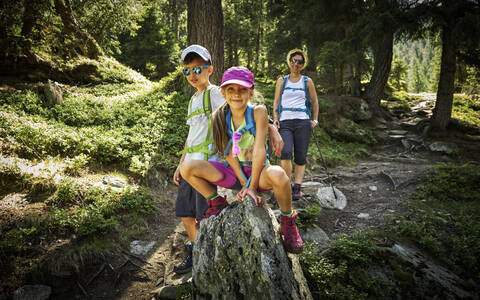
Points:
[(33, 292), (239, 254), (326, 198)]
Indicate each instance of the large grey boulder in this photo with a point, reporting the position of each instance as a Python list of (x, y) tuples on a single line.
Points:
[(239, 254)]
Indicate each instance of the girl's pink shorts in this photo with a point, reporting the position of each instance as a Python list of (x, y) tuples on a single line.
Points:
[(229, 179)]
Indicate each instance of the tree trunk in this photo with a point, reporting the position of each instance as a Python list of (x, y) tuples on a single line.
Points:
[(205, 27), (443, 106), (84, 41), (382, 54)]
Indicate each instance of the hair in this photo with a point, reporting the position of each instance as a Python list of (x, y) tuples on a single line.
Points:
[(191, 56), (220, 128), (297, 51)]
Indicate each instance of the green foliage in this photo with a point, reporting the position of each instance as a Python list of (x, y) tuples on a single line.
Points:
[(140, 129), (467, 110), (443, 218), (77, 164), (309, 215), (342, 274), (398, 74)]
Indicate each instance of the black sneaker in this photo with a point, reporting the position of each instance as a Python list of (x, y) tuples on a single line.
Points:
[(186, 265), (296, 193)]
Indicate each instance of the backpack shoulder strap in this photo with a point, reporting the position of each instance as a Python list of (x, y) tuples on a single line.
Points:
[(250, 120), (279, 109), (308, 103), (207, 104)]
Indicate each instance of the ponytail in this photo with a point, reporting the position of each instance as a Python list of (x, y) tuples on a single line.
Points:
[(220, 128)]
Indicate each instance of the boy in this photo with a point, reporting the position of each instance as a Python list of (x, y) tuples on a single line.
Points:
[(190, 205)]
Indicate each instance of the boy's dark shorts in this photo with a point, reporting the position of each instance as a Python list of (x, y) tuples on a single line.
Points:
[(296, 135), (189, 202)]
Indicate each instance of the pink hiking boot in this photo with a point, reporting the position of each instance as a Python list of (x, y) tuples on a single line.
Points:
[(292, 240), (216, 205)]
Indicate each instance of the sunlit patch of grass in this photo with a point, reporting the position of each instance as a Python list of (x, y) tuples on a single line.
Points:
[(467, 109)]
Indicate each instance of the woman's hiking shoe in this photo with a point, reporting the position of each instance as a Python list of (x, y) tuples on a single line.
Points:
[(186, 265), (296, 193), (216, 205), (291, 238)]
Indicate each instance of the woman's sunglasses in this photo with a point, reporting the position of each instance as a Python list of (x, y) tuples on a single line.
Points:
[(297, 61), (196, 70)]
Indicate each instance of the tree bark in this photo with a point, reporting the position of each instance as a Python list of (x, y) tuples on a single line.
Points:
[(205, 27), (383, 54), (84, 41), (443, 106)]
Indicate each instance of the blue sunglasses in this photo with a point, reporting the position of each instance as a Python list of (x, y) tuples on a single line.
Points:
[(196, 70)]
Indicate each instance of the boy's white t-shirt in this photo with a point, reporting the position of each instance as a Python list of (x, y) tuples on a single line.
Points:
[(198, 124), (294, 99)]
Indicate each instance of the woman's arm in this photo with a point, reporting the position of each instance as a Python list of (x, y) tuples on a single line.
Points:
[(314, 99), (276, 101)]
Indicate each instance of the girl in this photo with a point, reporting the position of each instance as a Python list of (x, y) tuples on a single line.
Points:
[(295, 113), (239, 133)]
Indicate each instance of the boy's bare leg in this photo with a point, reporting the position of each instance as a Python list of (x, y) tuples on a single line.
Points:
[(190, 228), (199, 173), (299, 173)]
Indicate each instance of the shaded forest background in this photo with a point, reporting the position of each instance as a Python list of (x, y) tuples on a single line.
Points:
[(354, 46)]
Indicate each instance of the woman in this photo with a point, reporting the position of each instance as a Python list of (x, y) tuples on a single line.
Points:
[(295, 114)]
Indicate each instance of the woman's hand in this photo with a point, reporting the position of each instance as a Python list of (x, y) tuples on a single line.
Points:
[(176, 176), (247, 191), (314, 123)]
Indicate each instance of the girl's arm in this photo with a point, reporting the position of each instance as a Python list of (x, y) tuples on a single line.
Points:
[(261, 121), (235, 165), (313, 97), (276, 101)]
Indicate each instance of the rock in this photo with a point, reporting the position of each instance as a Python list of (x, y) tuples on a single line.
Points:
[(311, 184), (53, 92), (166, 292), (372, 188), (326, 198), (114, 181), (354, 108), (397, 132), (227, 192), (316, 235), (177, 279), (363, 216), (431, 276), (141, 247), (441, 147), (32, 292), (239, 254)]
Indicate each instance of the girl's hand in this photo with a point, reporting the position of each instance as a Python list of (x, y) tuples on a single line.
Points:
[(277, 124), (246, 191), (314, 123), (176, 176)]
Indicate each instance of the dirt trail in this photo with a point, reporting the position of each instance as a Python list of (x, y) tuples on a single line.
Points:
[(377, 186)]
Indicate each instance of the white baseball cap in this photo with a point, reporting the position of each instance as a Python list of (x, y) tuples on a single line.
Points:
[(202, 51)]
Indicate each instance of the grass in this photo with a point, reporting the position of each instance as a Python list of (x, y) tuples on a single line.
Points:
[(443, 219), (467, 110)]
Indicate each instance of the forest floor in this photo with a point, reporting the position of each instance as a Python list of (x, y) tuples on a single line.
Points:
[(377, 187)]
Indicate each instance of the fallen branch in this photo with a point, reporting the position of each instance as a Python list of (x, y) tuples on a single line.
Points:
[(100, 270), (136, 256), (83, 290), (391, 180)]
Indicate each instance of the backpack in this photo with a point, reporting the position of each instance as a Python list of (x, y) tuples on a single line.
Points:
[(308, 103), (207, 110)]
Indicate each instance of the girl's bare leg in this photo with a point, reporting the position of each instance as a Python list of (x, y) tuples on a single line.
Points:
[(199, 173), (275, 177)]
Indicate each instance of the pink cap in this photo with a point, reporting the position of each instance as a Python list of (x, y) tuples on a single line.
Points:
[(238, 75)]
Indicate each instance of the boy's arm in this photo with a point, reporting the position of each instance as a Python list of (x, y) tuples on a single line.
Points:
[(177, 176)]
